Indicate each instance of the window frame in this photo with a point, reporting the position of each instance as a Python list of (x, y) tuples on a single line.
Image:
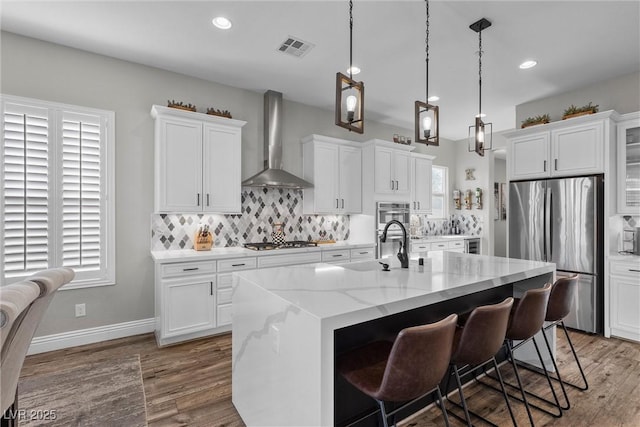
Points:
[(434, 194), (104, 276)]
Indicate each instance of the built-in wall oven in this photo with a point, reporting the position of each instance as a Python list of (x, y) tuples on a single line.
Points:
[(385, 212)]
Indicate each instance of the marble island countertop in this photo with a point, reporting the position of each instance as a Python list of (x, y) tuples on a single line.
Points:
[(429, 238), (238, 252), (336, 291)]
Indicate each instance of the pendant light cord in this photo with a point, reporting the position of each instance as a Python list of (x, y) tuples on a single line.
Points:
[(479, 73), (350, 39), (426, 50)]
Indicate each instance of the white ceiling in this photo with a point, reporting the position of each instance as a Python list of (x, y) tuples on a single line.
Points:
[(576, 43)]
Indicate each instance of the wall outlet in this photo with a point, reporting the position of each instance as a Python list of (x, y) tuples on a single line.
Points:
[(275, 339), (81, 310)]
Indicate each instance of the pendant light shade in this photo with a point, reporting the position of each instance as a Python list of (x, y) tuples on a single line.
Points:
[(427, 120), (350, 93), (480, 133)]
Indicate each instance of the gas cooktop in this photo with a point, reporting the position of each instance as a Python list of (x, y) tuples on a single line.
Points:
[(286, 245)]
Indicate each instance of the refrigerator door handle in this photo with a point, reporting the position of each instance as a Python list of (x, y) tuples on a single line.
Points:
[(547, 225)]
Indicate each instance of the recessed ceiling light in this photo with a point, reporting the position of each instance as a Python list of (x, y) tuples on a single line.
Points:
[(528, 64), (221, 22), (353, 70), (433, 98)]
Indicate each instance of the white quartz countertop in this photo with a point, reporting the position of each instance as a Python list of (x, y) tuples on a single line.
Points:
[(338, 291), (239, 252), (443, 237), (624, 257)]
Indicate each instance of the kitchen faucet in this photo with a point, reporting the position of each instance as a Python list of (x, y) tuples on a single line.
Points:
[(402, 252)]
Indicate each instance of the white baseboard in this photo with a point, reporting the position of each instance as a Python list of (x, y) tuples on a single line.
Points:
[(91, 335)]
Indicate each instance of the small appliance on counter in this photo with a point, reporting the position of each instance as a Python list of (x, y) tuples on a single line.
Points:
[(203, 240)]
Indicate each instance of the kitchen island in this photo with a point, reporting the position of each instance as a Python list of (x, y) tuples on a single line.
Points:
[(289, 323)]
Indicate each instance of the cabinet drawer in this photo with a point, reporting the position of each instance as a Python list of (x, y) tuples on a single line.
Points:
[(224, 295), (236, 264), (439, 246), (188, 268), (626, 269), (420, 247), (362, 253), (457, 244), (339, 255), (292, 259), (225, 280), (225, 314)]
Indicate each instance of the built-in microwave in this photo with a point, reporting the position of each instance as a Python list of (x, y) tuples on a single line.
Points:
[(385, 212)]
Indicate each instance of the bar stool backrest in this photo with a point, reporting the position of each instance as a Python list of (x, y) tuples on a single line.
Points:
[(418, 360), (561, 298), (528, 314), (483, 334)]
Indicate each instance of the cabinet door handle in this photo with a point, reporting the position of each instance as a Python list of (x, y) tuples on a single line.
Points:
[(392, 184), (396, 185), (191, 269), (555, 164), (342, 203), (207, 199), (237, 265), (418, 205), (544, 166), (635, 271), (198, 198), (210, 288)]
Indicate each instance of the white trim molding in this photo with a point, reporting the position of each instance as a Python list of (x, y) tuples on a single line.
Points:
[(90, 335)]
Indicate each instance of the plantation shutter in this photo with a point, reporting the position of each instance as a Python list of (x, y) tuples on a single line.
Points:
[(82, 192), (26, 135)]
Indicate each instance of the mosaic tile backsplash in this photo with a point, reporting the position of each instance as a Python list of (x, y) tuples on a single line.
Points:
[(261, 208), (470, 225)]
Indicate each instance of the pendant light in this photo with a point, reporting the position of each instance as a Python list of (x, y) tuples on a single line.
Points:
[(349, 93), (426, 115), (480, 133)]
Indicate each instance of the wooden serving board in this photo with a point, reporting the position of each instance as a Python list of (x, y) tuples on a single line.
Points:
[(322, 242)]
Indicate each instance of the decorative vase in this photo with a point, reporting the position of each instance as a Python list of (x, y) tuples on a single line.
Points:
[(277, 235)]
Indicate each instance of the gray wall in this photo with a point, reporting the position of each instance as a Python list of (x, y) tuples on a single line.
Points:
[(499, 226), (621, 94), (37, 69)]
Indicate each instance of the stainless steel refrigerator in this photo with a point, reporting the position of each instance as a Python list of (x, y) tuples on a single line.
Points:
[(561, 221)]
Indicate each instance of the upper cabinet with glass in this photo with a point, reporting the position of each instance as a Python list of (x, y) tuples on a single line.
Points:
[(629, 164)]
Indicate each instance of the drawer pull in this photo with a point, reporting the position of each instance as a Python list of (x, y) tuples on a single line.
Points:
[(237, 265), (335, 256), (191, 269), (363, 253), (635, 271)]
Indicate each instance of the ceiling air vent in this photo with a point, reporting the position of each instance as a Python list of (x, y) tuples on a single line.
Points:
[(295, 46)]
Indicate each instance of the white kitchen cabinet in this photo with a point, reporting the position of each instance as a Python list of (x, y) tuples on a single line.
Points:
[(392, 171), (565, 148), (185, 300), (624, 282), (334, 167), (197, 162), (421, 183), (628, 162)]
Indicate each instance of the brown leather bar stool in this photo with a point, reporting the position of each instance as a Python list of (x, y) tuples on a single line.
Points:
[(525, 320), (475, 345), (560, 302), (406, 370)]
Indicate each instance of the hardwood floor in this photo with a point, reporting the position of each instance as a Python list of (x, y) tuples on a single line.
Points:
[(190, 384)]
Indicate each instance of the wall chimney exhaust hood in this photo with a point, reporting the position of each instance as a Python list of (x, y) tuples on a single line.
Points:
[(273, 176)]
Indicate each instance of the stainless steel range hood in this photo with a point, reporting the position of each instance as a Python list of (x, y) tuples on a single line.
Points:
[(273, 176)]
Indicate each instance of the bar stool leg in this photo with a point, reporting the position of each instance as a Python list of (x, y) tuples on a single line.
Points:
[(383, 413), (555, 366), (504, 392), (462, 400), (575, 356), (442, 407), (522, 392)]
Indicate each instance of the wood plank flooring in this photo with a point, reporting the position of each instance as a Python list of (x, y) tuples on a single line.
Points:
[(190, 384)]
